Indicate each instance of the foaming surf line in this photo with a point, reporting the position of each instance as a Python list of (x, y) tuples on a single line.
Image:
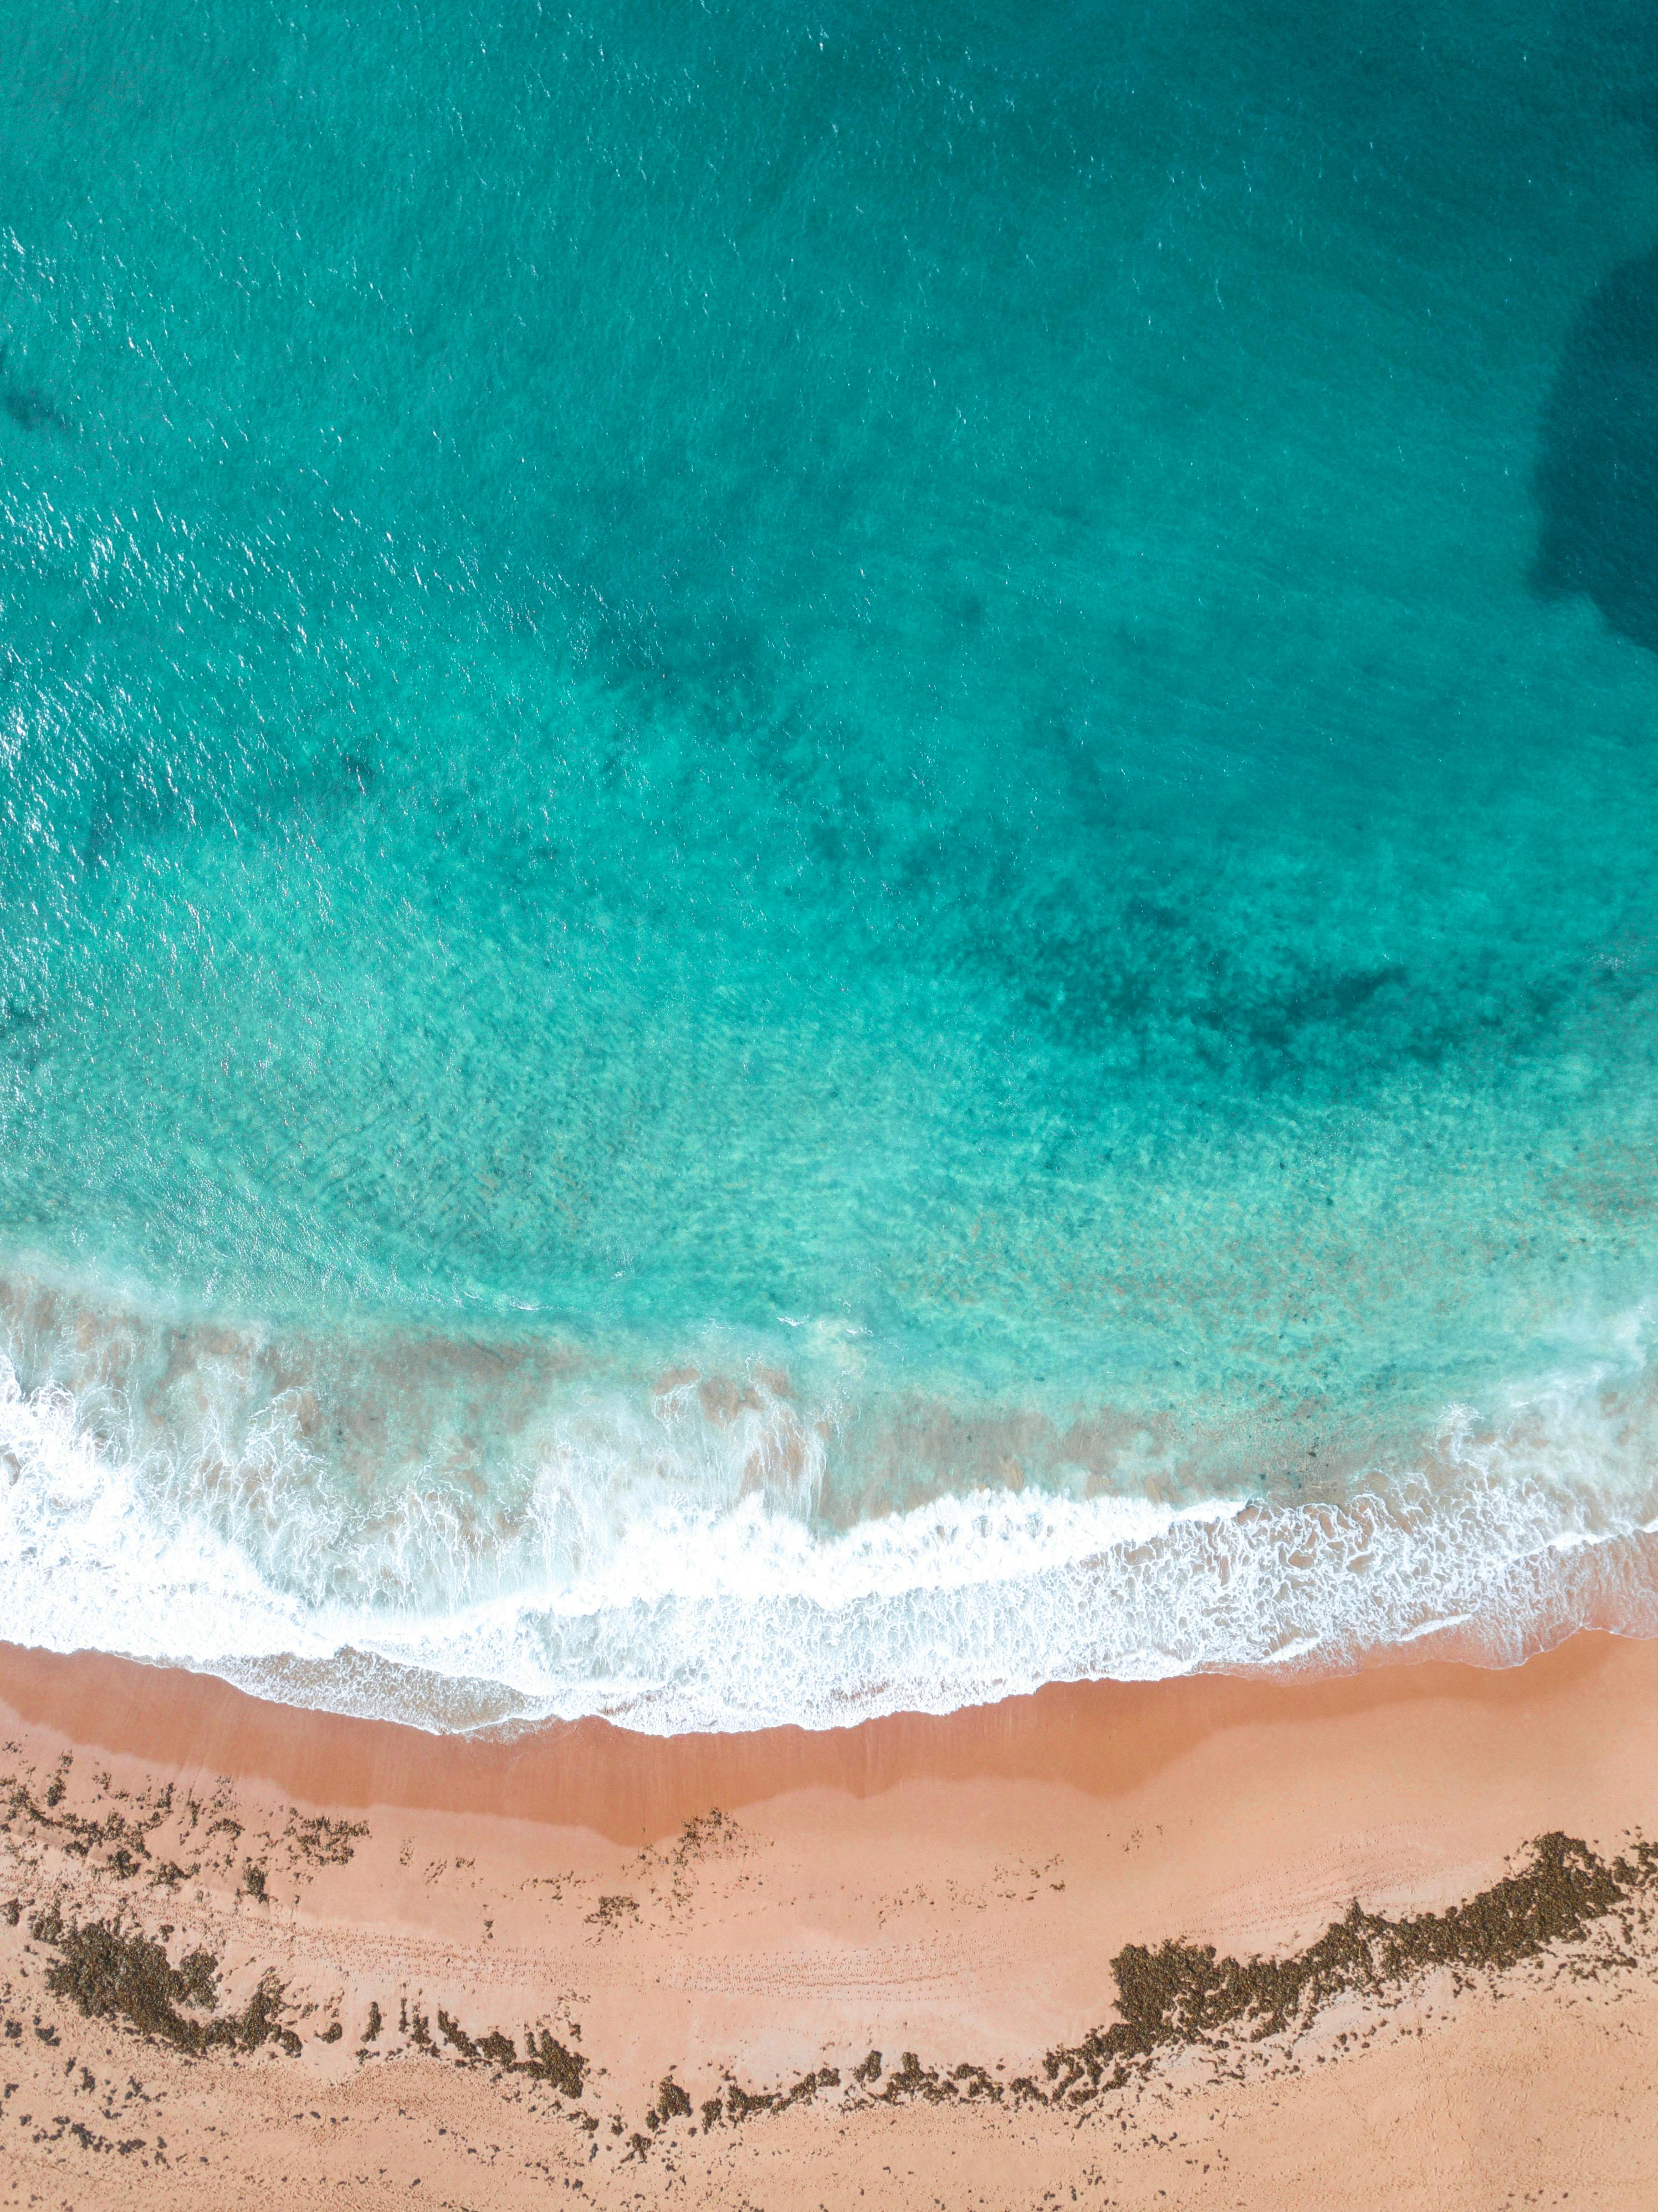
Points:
[(684, 1614)]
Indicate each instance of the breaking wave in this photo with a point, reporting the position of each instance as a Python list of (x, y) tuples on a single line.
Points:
[(648, 1573)]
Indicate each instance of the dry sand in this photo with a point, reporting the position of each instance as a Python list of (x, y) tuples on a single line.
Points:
[(752, 1916)]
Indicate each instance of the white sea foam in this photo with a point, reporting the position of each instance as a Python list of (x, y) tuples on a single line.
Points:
[(657, 1582)]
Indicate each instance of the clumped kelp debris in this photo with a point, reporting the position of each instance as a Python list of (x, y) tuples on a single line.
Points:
[(549, 2061), (974, 2081), (546, 2058), (117, 1834), (739, 2104), (1183, 1993), (703, 1833), (322, 1842), (107, 1971), (712, 1835), (803, 2092), (119, 1837), (611, 1910), (911, 2079), (495, 2048), (1167, 1996), (671, 2103)]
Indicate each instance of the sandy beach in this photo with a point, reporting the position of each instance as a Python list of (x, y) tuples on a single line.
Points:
[(261, 1956)]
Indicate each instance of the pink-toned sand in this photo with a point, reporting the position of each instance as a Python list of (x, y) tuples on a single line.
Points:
[(955, 1888)]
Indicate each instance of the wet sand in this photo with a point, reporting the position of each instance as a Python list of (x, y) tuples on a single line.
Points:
[(746, 1918)]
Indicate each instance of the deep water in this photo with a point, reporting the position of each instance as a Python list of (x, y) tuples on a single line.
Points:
[(784, 795)]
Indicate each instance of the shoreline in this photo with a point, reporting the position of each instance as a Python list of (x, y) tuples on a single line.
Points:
[(740, 1611), (1100, 1738), (729, 1926)]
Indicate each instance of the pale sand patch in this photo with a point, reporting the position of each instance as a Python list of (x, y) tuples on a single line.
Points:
[(957, 1888)]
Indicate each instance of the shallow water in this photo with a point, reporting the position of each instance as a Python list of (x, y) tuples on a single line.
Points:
[(828, 845)]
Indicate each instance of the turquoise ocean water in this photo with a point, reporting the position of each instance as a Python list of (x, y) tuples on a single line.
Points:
[(827, 843)]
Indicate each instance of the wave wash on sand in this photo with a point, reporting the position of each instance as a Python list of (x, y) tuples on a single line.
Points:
[(675, 1572)]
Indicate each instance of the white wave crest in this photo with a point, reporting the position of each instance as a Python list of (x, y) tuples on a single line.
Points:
[(704, 1601)]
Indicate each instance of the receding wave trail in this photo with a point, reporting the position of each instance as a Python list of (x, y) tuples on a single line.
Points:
[(665, 1589)]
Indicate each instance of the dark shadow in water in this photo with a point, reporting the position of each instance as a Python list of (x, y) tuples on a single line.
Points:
[(28, 408), (1597, 468)]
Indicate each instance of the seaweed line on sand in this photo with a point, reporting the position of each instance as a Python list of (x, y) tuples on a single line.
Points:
[(1172, 1995), (1179, 1994)]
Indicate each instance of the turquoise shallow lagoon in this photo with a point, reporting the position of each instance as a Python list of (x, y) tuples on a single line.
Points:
[(827, 844)]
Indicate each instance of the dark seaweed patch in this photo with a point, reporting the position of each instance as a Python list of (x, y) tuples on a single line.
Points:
[(1182, 1993), (1179, 1994), (119, 1838), (110, 1971), (322, 1842), (612, 1910), (671, 2103), (546, 2058), (549, 2061)]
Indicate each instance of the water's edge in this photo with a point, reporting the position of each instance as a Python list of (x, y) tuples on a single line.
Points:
[(664, 1561)]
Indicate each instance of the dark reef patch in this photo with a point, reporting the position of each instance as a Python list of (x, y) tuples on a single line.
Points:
[(29, 409), (1597, 468)]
